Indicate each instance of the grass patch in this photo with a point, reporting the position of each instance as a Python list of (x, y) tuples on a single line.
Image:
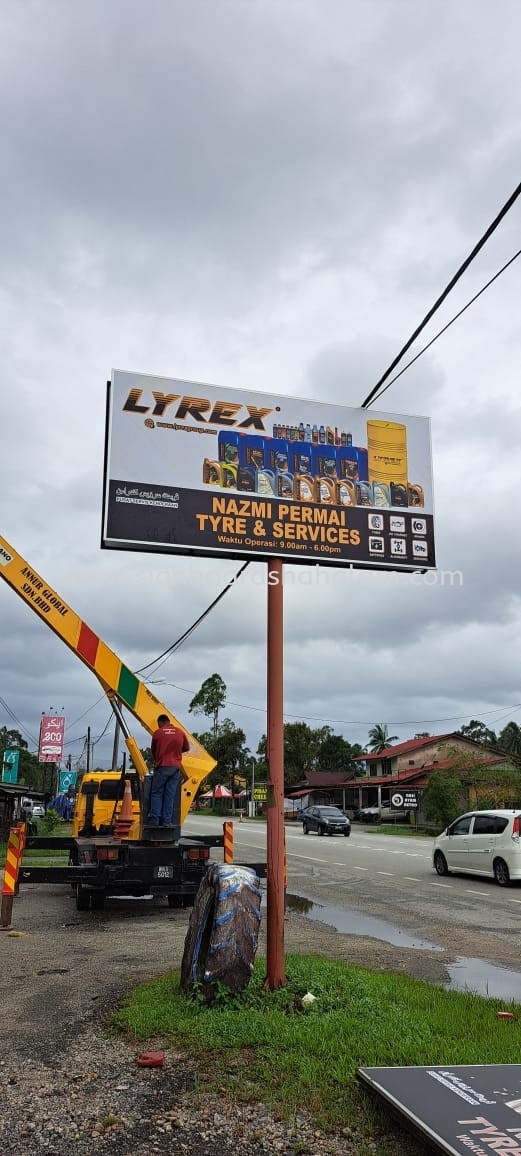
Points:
[(395, 829), (265, 1046)]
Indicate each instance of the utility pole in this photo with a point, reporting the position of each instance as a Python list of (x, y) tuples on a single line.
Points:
[(252, 801)]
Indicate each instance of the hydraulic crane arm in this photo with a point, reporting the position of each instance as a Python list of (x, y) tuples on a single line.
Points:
[(118, 682)]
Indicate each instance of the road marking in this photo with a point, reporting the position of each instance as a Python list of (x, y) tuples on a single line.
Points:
[(390, 873), (412, 879), (515, 900), (449, 885), (484, 894), (311, 859), (357, 868)]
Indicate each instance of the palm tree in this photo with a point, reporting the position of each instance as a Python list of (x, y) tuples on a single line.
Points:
[(379, 738)]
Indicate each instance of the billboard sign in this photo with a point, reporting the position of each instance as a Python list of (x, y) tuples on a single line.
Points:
[(52, 731), (197, 469), (458, 1109), (10, 762)]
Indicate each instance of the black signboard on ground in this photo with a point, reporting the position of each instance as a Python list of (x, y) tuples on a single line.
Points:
[(476, 1108)]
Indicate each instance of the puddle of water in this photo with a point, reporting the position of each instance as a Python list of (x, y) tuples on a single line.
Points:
[(473, 975), (352, 923), (482, 978)]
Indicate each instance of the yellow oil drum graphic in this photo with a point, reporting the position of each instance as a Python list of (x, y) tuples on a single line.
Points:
[(387, 451)]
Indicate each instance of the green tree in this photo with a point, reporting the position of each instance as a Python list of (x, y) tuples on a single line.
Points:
[(509, 740), (480, 733), (443, 798), (306, 749), (31, 773), (336, 754), (485, 784), (229, 749), (210, 699), (379, 738)]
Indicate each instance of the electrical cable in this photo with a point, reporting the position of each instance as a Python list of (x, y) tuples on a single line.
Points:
[(459, 273), (15, 719), (448, 325), (105, 729), (182, 638), (354, 722)]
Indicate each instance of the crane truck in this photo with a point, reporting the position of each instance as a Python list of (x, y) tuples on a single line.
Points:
[(107, 855)]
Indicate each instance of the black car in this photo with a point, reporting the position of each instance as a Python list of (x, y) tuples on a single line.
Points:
[(325, 821)]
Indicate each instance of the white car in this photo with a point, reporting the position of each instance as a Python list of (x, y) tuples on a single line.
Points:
[(482, 843), (38, 811)]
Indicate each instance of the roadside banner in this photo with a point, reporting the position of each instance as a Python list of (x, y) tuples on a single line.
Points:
[(52, 731), (67, 781), (10, 764)]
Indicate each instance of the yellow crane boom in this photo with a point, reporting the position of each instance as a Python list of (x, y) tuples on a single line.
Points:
[(120, 684)]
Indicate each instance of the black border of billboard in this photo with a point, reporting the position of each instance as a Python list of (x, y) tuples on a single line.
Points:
[(105, 464)]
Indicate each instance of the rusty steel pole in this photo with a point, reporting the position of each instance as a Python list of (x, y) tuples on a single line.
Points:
[(275, 801)]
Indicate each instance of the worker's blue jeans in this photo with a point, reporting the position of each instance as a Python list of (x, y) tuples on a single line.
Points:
[(165, 797)]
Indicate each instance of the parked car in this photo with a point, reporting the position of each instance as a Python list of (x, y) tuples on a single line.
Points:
[(325, 821), (38, 811), (481, 843), (367, 815)]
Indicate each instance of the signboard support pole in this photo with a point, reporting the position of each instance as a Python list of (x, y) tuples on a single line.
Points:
[(275, 801)]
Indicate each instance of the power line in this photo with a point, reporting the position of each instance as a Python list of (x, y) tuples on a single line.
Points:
[(459, 273), (448, 325), (353, 722), (182, 638), (15, 719)]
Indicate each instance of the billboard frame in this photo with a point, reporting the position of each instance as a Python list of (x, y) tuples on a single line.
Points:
[(356, 520)]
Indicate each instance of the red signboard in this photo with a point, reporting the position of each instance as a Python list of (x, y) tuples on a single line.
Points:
[(52, 730)]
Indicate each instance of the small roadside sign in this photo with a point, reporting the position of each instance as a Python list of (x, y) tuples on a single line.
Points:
[(405, 800)]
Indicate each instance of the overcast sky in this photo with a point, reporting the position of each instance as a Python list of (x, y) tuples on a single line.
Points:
[(266, 195)]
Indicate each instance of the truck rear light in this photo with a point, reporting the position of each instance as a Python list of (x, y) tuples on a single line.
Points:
[(105, 853), (198, 853)]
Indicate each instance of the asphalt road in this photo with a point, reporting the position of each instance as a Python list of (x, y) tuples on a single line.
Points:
[(391, 879)]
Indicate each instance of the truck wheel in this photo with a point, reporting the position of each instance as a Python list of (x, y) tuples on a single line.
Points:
[(97, 900), (223, 931), (82, 897)]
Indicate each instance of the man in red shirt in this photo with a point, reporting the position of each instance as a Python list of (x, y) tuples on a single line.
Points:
[(168, 744)]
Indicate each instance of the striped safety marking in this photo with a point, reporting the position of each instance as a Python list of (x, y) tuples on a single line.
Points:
[(15, 847), (228, 841), (90, 648)]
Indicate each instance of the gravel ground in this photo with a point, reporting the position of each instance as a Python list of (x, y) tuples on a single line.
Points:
[(66, 1086)]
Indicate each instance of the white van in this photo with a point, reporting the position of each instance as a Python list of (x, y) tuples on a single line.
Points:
[(482, 843)]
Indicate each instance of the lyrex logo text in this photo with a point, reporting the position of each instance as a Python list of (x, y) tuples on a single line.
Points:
[(198, 409)]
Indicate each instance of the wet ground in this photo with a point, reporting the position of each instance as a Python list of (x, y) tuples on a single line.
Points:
[(461, 974)]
